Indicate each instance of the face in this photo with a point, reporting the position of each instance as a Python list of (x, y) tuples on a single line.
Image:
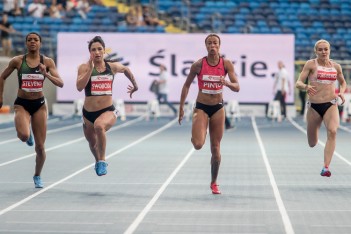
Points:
[(322, 50), (97, 51), (212, 45), (33, 42)]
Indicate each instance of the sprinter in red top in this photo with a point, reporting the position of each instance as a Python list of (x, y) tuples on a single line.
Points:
[(209, 112), (322, 73)]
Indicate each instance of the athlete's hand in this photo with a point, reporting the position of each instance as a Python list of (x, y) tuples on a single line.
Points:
[(0, 104), (341, 96), (91, 60), (42, 69), (223, 81), (311, 90), (131, 90), (181, 114)]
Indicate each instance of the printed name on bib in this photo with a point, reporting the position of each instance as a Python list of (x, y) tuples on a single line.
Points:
[(32, 82), (211, 84), (101, 85), (326, 75)]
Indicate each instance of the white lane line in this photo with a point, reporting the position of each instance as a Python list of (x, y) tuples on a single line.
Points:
[(148, 207), (286, 220), (48, 132), (345, 129), (85, 168), (47, 231), (72, 142), (319, 141), (13, 128), (71, 223)]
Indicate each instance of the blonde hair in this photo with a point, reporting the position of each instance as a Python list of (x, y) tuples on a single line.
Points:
[(321, 41)]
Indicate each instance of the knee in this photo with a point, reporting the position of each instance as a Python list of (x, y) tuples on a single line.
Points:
[(99, 128), (331, 133), (215, 149), (197, 144), (22, 137), (312, 144), (39, 148)]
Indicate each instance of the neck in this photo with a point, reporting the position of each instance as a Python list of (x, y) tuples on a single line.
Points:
[(213, 59), (323, 62), (33, 53), (100, 67)]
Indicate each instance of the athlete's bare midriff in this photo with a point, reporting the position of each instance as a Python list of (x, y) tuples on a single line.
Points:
[(325, 93), (95, 103), (209, 99), (29, 95)]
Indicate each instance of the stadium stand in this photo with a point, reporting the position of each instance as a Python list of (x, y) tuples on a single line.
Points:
[(308, 20)]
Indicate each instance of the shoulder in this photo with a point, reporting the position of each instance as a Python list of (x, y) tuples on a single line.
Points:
[(310, 63), (17, 60), (336, 65), (48, 60), (114, 65), (227, 62), (198, 63)]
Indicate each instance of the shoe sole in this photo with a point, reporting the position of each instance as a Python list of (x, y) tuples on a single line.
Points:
[(327, 174)]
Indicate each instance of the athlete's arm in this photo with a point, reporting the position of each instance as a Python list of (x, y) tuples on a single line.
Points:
[(120, 68), (300, 83), (234, 82), (53, 76), (84, 73), (194, 70), (342, 83), (5, 74)]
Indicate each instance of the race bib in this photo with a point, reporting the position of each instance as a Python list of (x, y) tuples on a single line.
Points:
[(101, 85), (211, 84), (32, 82)]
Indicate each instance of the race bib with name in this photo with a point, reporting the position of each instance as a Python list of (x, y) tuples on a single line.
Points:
[(32, 82), (101, 85), (211, 84)]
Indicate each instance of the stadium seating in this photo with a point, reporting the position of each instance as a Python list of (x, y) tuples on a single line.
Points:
[(308, 20)]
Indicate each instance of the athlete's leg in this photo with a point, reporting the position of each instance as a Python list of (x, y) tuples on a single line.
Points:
[(22, 120), (216, 129), (39, 131), (90, 135), (314, 121), (331, 122), (102, 124), (199, 128)]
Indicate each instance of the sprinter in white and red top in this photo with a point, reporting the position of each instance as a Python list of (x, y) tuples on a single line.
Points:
[(209, 112), (30, 109), (99, 115), (322, 73)]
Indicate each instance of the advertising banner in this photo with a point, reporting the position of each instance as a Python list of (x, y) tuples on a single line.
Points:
[(255, 58)]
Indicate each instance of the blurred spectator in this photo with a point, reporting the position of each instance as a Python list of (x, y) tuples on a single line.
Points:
[(19, 7), (71, 5), (247, 28), (162, 95), (83, 7), (37, 8), (134, 17), (6, 28), (63, 3), (149, 16), (281, 87), (9, 7), (56, 11)]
